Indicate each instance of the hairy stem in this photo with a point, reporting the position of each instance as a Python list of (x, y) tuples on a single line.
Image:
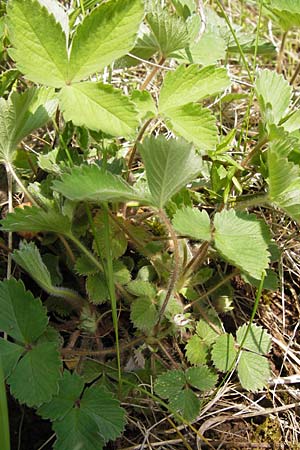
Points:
[(152, 74)]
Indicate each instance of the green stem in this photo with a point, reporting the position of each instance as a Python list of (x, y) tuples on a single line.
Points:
[(4, 420), (10, 169), (85, 251), (10, 209), (244, 202)]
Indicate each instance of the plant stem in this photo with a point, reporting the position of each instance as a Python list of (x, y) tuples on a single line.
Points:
[(281, 53), (10, 169), (295, 74), (175, 272), (134, 148), (10, 210), (86, 251), (196, 261), (4, 420), (152, 74)]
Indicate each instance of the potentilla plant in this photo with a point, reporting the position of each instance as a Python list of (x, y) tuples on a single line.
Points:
[(133, 176)]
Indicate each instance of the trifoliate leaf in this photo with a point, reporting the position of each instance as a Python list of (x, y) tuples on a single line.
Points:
[(118, 239), (195, 124), (141, 288), (201, 378), (106, 34), (99, 107), (91, 183), (170, 165), (196, 350), (206, 332), (70, 388), (192, 222), (257, 339), (186, 403), (242, 240), (97, 289), (19, 311), (36, 219), (224, 353), (41, 56), (273, 102), (40, 367), (168, 384), (10, 354), (144, 314), (191, 84), (253, 371)]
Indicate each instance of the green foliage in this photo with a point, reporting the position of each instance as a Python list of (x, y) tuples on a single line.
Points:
[(192, 222)]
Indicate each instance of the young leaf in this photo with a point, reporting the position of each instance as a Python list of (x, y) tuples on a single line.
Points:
[(40, 47), (196, 350), (253, 371), (170, 165), (186, 403), (19, 311), (273, 102), (257, 339), (36, 219), (191, 84), (192, 222), (40, 366), (242, 240), (195, 124), (99, 107), (70, 388), (91, 183), (224, 353), (106, 34), (143, 314), (168, 384), (141, 288), (201, 378)]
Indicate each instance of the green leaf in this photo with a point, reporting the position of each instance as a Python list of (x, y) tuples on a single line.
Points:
[(168, 384), (186, 403), (284, 183), (242, 240), (20, 115), (192, 222), (144, 314), (201, 378), (144, 104), (286, 13), (121, 274), (10, 354), (168, 32), (91, 183), (257, 340), (35, 378), (106, 34), (271, 281), (191, 84), (224, 353), (40, 45), (170, 165), (141, 288), (273, 94), (206, 332), (84, 266), (195, 124), (253, 371), (36, 219), (97, 289), (70, 388), (99, 107), (118, 239), (22, 316), (196, 350)]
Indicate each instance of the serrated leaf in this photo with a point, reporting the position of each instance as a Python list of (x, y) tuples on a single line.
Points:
[(70, 388), (10, 354), (286, 12), (144, 104), (118, 239), (59, 14), (41, 56), (242, 240), (224, 353), (257, 340), (284, 191), (192, 222), (170, 165), (38, 388), (144, 314), (201, 378), (84, 266), (191, 84), (196, 350), (253, 371), (206, 332), (273, 102), (186, 403), (122, 275), (99, 107), (22, 113), (91, 183), (19, 310), (36, 219), (168, 32), (168, 384), (106, 34), (195, 124), (141, 288), (97, 288)]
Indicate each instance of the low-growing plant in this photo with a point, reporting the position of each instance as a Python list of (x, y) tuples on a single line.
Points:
[(138, 211)]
